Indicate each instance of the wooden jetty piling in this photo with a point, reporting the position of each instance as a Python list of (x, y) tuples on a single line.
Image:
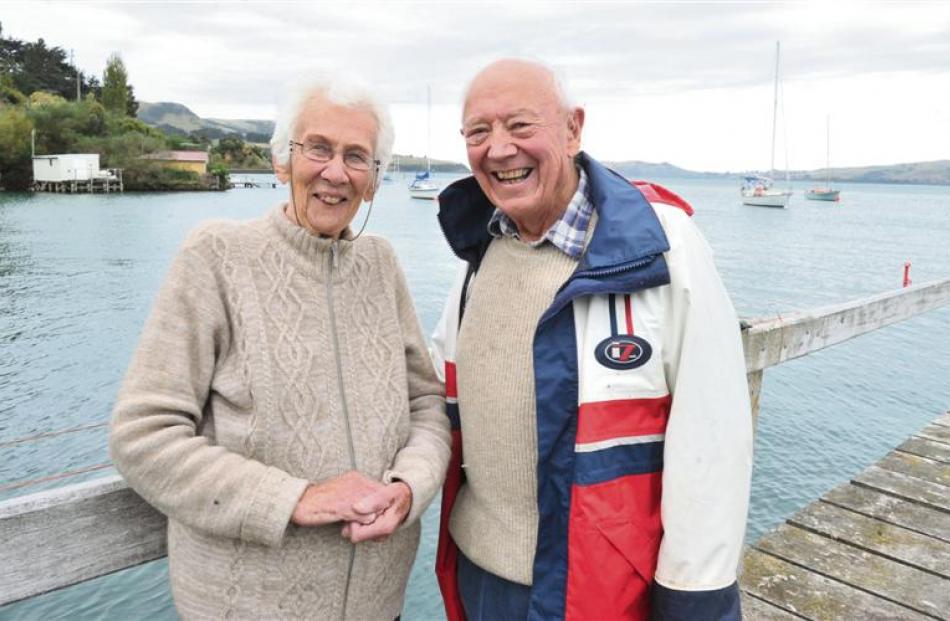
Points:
[(877, 547)]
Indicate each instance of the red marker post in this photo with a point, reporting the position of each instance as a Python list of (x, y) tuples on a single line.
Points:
[(907, 280)]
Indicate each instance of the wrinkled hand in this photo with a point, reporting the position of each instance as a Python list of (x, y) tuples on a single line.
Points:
[(397, 500), (334, 500)]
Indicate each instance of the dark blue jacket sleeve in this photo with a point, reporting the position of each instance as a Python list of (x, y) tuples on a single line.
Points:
[(673, 605)]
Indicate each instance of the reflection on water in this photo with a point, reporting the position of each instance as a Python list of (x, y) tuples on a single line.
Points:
[(78, 274)]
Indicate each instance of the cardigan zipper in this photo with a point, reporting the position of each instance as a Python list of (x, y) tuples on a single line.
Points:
[(346, 416)]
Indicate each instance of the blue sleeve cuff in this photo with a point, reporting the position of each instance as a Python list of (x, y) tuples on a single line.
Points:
[(673, 605)]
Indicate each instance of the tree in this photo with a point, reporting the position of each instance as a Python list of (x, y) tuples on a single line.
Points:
[(115, 91)]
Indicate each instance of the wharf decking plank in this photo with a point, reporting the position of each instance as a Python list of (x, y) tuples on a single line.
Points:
[(925, 447), (943, 419), (891, 509), (754, 609), (876, 536), (813, 596), (891, 580), (937, 431), (915, 466), (907, 487)]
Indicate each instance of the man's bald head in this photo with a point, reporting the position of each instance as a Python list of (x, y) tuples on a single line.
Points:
[(521, 140), (520, 71)]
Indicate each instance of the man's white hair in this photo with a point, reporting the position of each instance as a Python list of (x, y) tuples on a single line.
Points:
[(338, 89), (557, 77)]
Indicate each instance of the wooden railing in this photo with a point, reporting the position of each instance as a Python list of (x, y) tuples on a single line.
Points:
[(61, 537)]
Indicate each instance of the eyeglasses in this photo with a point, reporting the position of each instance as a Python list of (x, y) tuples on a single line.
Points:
[(320, 152)]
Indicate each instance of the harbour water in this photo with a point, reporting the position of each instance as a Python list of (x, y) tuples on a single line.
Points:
[(78, 273)]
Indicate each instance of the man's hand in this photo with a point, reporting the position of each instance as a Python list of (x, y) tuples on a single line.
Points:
[(397, 499), (333, 501)]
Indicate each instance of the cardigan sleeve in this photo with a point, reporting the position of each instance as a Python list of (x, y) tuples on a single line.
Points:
[(708, 445), (154, 441), (422, 461)]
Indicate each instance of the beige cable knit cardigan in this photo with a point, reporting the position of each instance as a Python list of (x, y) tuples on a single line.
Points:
[(233, 402)]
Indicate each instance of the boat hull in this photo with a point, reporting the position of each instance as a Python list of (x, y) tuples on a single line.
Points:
[(778, 200), (424, 193), (823, 195)]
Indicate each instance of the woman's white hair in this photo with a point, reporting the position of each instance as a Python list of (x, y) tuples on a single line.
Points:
[(338, 89)]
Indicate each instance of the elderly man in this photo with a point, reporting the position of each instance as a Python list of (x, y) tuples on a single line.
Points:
[(282, 395), (594, 377)]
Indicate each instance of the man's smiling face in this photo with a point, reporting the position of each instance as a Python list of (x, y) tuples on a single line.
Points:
[(521, 142)]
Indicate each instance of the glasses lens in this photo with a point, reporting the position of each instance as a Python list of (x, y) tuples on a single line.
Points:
[(356, 161)]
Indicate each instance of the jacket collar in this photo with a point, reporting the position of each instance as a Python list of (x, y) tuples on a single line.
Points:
[(627, 228)]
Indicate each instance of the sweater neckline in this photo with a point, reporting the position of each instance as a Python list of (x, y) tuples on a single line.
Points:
[(310, 250)]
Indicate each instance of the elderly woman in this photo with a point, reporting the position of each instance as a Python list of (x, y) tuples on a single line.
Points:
[(282, 396)]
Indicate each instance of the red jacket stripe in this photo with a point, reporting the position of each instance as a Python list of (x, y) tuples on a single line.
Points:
[(603, 420)]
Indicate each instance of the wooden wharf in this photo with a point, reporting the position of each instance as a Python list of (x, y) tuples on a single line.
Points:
[(104, 185), (877, 547)]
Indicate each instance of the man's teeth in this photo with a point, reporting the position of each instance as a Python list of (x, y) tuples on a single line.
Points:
[(329, 200), (512, 175)]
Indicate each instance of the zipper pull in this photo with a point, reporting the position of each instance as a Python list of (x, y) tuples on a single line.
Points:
[(333, 252)]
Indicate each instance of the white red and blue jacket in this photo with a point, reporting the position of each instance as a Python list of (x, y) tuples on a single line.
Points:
[(643, 420)]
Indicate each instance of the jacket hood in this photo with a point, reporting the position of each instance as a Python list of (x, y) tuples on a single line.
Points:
[(627, 228)]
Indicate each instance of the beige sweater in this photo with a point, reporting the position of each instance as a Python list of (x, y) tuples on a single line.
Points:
[(233, 402), (495, 518)]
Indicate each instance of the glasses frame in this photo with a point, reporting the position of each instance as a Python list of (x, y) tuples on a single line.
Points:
[(303, 151)]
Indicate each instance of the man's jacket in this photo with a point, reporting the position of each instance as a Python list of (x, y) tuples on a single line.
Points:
[(643, 420)]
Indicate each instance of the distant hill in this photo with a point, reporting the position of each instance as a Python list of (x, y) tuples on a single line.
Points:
[(925, 173), (634, 169), (928, 173), (176, 118)]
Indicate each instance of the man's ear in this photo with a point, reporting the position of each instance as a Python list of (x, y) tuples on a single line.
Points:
[(281, 171), (575, 126)]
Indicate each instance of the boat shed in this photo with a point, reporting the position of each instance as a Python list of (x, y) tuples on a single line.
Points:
[(66, 167)]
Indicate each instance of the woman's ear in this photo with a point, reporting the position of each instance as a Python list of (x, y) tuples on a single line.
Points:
[(282, 172)]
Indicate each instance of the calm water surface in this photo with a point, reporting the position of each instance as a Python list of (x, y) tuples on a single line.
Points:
[(78, 274)]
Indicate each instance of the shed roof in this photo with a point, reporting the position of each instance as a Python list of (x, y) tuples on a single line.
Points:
[(178, 156)]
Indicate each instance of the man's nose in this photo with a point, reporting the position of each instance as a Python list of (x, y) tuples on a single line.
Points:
[(500, 146), (334, 171)]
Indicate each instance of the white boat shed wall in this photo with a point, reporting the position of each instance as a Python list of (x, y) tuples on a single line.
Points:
[(67, 167)]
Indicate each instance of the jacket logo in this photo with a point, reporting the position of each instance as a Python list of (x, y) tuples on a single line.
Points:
[(623, 352)]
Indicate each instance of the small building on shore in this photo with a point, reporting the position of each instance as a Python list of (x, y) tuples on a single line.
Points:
[(73, 172), (193, 161)]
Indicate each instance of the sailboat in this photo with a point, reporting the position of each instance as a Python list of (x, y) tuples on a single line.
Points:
[(826, 193), (757, 190), (422, 186)]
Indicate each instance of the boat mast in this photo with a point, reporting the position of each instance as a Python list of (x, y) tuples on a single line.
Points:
[(774, 111), (428, 123), (828, 151)]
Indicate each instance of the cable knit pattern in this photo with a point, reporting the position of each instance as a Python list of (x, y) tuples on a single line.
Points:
[(232, 404)]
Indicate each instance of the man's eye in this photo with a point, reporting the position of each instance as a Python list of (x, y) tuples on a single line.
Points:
[(520, 127), (476, 135)]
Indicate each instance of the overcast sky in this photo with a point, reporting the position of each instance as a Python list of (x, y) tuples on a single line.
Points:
[(686, 83)]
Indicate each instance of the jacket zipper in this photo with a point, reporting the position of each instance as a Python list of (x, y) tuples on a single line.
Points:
[(346, 416)]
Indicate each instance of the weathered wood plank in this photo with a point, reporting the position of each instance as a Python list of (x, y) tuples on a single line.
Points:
[(891, 509), (923, 447), (943, 419), (813, 596), (907, 586), (64, 536), (935, 431), (876, 536), (907, 487), (754, 380), (772, 340), (754, 609), (915, 466)]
